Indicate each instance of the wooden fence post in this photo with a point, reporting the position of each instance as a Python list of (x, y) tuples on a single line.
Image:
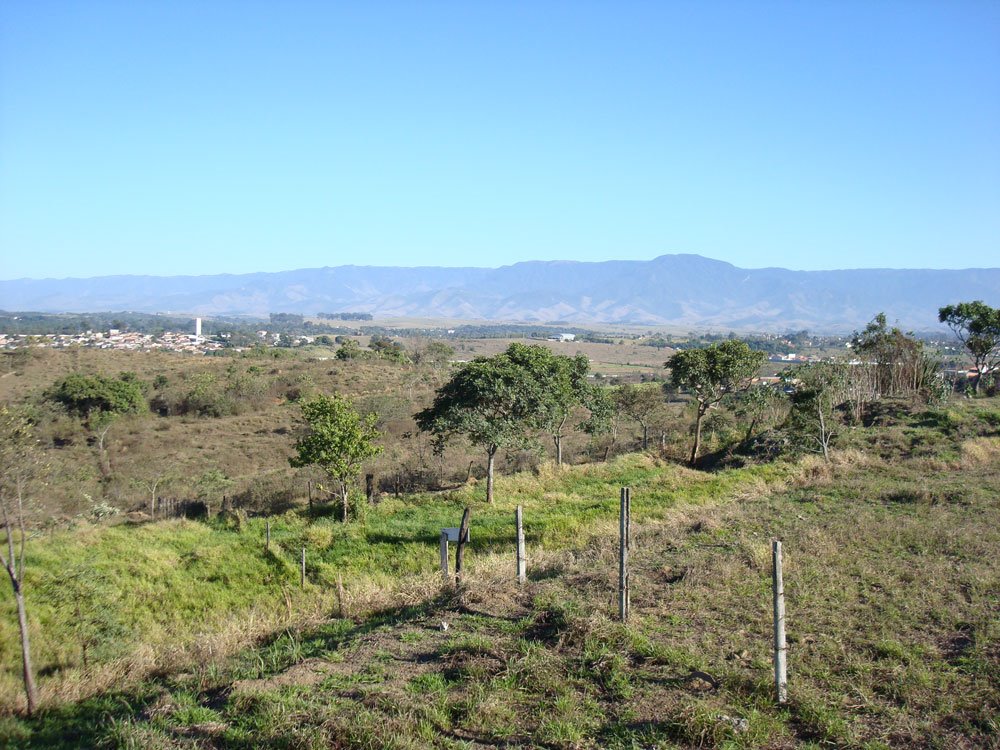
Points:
[(625, 529), (267, 536), (522, 557), (780, 647), (302, 575), (463, 533), (444, 555)]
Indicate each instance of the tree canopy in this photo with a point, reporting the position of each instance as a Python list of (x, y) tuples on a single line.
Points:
[(977, 326), (91, 396), (711, 373), (497, 402), (337, 439)]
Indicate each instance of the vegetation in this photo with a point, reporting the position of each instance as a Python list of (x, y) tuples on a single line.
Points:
[(497, 402), (876, 660), (152, 632), (977, 326), (711, 374), (338, 440), (19, 470)]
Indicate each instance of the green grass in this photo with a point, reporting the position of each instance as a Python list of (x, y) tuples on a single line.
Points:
[(891, 578), (174, 581)]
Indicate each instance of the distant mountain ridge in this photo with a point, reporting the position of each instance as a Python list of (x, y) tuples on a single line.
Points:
[(681, 290)]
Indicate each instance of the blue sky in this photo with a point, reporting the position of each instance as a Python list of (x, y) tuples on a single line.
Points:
[(194, 137)]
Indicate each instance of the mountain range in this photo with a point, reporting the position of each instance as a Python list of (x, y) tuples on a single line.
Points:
[(679, 290)]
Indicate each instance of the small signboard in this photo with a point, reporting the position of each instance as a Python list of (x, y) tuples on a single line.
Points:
[(452, 533)]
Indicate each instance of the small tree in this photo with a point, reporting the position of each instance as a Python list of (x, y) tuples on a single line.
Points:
[(494, 401), (436, 354), (759, 406), (977, 326), (710, 374), (819, 388), (337, 439), (20, 467), (561, 384), (641, 404)]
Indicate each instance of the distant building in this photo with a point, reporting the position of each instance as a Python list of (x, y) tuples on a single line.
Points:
[(563, 337)]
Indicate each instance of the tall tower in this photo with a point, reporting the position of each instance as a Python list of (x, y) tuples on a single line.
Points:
[(197, 330)]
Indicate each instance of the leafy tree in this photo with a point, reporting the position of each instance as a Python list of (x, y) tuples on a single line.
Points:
[(20, 469), (351, 349), (759, 406), (436, 354), (605, 414), (712, 373), (385, 348), (89, 396), (977, 326), (640, 403), (337, 439), (560, 384), (494, 401)]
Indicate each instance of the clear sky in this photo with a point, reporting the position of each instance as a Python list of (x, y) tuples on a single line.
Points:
[(207, 137)]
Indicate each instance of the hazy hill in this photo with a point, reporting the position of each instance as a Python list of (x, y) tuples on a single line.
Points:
[(687, 290)]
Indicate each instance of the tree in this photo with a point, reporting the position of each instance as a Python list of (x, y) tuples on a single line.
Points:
[(90, 396), (605, 413), (560, 383), (759, 405), (20, 467), (99, 401), (640, 403), (819, 388), (351, 349), (337, 439), (437, 354), (385, 348), (494, 401), (977, 326), (712, 373), (901, 364)]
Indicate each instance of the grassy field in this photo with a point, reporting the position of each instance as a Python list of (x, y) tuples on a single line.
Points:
[(892, 580)]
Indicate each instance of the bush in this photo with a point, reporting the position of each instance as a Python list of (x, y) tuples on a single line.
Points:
[(268, 493)]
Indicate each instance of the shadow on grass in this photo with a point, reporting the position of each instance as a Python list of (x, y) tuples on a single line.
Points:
[(87, 723)]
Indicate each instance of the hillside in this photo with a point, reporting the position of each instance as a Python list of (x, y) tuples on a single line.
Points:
[(680, 290), (891, 576)]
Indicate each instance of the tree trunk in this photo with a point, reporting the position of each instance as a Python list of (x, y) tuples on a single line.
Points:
[(645, 437), (490, 454), (102, 456), (343, 497), (557, 437), (28, 673), (697, 437), (824, 438)]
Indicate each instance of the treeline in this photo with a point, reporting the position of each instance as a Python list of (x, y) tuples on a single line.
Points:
[(344, 316)]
